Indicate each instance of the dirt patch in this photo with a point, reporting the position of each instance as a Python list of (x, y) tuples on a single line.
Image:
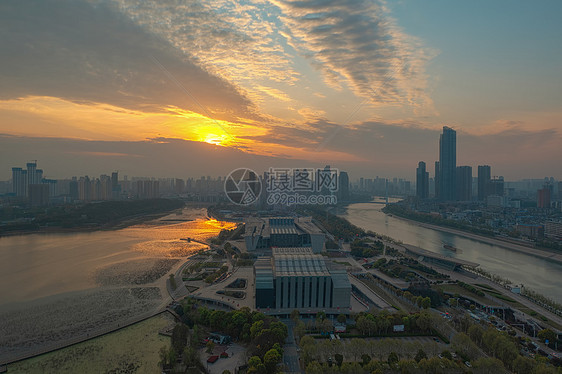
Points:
[(134, 272), (118, 352), (30, 326)]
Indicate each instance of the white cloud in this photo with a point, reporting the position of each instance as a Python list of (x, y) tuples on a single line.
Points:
[(356, 43)]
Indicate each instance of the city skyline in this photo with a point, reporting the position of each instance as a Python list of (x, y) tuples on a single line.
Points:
[(268, 81)]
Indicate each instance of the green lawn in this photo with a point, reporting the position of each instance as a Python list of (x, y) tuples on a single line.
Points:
[(133, 349)]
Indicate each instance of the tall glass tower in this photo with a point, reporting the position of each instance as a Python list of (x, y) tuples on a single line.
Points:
[(447, 164)]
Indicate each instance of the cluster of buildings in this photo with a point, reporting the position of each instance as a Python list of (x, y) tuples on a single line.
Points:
[(29, 184), (456, 183), (383, 186), (290, 271), (530, 207)]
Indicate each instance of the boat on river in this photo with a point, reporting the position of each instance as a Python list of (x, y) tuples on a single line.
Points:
[(450, 247)]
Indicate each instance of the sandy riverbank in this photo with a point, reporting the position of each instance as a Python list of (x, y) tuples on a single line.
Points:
[(30, 326)]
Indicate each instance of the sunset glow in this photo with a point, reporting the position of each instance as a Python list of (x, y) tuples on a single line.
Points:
[(266, 83)]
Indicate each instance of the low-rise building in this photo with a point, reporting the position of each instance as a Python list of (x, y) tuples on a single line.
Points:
[(271, 232)]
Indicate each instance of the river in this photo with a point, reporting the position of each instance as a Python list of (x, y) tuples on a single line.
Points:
[(59, 286), (38, 265), (538, 274)]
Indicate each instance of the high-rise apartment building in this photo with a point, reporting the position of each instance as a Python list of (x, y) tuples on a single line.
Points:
[(464, 183), (437, 194), (447, 164), (344, 186), (484, 177), (22, 179), (496, 186), (543, 198), (422, 181)]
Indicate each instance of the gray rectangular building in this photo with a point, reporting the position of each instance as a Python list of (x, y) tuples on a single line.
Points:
[(299, 279)]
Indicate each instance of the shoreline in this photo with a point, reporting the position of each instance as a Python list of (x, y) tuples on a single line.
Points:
[(123, 224), (544, 254)]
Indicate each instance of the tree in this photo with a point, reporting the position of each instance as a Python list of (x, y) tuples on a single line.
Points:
[(339, 359), (190, 356), (430, 365), (408, 366), (420, 355), (424, 321), (523, 365), (256, 329), (327, 326), (547, 334), (464, 345), (356, 345), (446, 354), (254, 364), (392, 359), (476, 333), (295, 315), (426, 303), (271, 359), (210, 346), (179, 337), (489, 365), (315, 368), (300, 329), (307, 340), (278, 348), (342, 318), (365, 359)]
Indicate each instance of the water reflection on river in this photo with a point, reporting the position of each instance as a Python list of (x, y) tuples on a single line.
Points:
[(538, 274), (39, 265)]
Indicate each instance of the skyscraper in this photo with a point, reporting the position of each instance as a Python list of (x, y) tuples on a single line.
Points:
[(484, 177), (437, 179), (344, 186), (464, 183), (18, 182), (115, 187), (22, 179), (447, 164), (32, 173), (422, 181)]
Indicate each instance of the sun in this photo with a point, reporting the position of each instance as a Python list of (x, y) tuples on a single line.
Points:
[(214, 139)]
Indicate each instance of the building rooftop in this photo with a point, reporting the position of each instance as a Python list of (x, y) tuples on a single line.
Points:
[(280, 225), (278, 251), (298, 262), (264, 272)]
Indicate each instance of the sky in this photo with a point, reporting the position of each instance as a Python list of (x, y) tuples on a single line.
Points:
[(187, 88)]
